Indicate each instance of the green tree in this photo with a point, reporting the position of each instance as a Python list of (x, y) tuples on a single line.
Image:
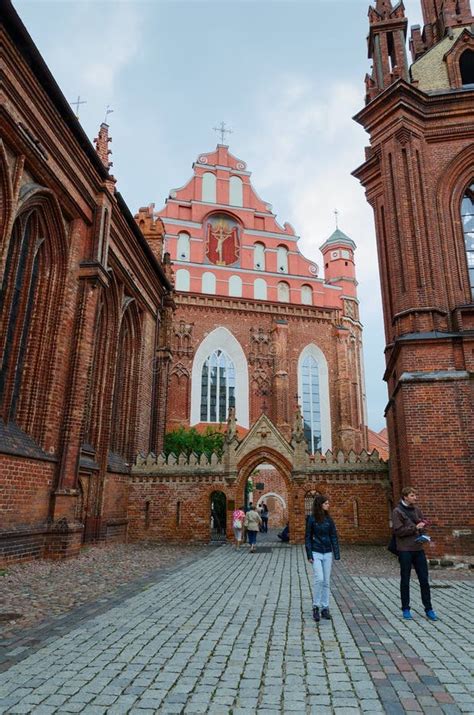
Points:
[(189, 440)]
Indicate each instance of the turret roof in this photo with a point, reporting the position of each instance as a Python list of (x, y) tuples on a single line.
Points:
[(338, 237)]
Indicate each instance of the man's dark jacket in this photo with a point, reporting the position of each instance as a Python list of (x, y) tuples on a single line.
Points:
[(404, 520)]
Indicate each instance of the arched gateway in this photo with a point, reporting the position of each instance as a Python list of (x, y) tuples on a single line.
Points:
[(190, 480)]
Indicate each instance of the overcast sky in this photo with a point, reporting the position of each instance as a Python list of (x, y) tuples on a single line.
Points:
[(286, 76)]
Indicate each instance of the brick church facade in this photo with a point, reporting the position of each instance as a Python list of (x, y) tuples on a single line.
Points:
[(115, 329), (419, 179), (255, 315), (84, 305)]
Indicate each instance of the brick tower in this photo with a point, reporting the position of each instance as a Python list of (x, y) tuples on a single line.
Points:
[(419, 179)]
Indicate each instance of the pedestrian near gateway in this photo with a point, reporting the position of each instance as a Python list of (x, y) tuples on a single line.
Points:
[(252, 523), (238, 518), (321, 545), (408, 525)]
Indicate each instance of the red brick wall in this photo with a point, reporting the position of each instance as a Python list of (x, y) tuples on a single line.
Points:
[(26, 487), (91, 256), (360, 509)]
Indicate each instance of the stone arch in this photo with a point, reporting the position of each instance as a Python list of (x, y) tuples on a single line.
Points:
[(272, 494)]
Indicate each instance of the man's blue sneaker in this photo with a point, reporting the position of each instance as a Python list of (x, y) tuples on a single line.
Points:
[(407, 614), (431, 615)]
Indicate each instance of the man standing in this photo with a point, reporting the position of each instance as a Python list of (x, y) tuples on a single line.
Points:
[(408, 524)]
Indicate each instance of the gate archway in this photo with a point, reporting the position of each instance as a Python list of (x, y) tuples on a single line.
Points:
[(218, 515)]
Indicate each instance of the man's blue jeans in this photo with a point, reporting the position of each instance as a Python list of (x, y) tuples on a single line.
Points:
[(417, 559)]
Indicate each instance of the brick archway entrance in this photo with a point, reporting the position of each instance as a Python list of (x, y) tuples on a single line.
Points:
[(280, 466)]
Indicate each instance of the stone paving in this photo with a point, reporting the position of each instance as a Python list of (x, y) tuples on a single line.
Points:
[(232, 633)]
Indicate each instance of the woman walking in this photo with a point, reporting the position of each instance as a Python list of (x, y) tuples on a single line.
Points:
[(252, 524), (321, 544), (238, 524)]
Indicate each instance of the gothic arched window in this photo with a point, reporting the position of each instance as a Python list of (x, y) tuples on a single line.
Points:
[(235, 286), (123, 420), (313, 391), (29, 305), (259, 257), (311, 403), (467, 214), (183, 279), (209, 187), (217, 387), (218, 341), (282, 259), (183, 251), (466, 65), (236, 194)]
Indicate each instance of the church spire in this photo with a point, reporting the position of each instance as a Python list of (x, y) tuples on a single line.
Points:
[(386, 44)]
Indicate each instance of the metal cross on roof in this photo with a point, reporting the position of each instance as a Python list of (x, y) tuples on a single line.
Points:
[(222, 131), (336, 214), (107, 112), (77, 103)]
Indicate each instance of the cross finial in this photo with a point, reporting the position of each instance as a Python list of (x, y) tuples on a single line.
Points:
[(77, 103), (336, 214), (107, 112), (222, 131)]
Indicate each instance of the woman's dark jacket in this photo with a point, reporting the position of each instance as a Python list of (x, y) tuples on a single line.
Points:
[(321, 537)]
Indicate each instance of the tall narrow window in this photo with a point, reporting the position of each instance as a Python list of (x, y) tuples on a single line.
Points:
[(30, 294), (311, 403), (208, 282), (467, 214), (260, 289), (209, 187), (183, 247), (259, 257), (236, 191), (235, 286), (282, 259), (183, 279), (466, 65), (283, 292), (122, 435), (217, 387), (306, 295)]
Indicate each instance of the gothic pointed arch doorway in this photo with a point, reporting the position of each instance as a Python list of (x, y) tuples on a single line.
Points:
[(264, 475)]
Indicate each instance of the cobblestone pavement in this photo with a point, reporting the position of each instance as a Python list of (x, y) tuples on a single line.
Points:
[(231, 632), (34, 591)]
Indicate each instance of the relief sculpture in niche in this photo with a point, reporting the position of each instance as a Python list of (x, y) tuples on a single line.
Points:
[(222, 240), (261, 357), (183, 339)]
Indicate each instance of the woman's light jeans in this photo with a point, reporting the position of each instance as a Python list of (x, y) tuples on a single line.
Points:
[(322, 574)]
